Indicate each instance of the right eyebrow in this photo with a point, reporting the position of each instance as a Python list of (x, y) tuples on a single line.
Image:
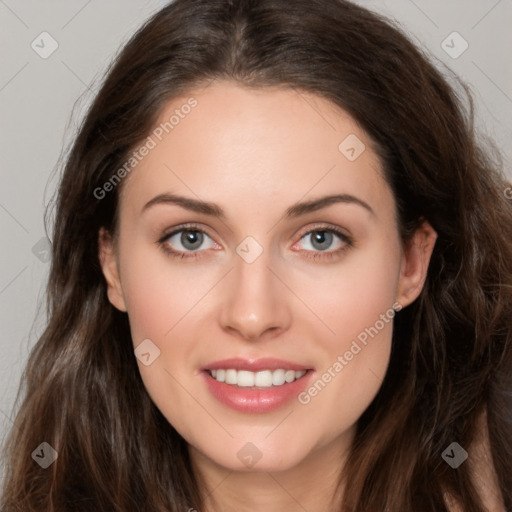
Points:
[(188, 203)]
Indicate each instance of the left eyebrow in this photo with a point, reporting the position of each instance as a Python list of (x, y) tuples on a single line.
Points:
[(316, 204)]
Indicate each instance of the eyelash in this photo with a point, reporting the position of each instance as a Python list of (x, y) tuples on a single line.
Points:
[(314, 255)]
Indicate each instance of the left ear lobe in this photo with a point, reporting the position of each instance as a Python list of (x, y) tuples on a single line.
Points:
[(415, 260)]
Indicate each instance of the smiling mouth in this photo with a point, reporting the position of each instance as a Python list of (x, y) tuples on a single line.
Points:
[(260, 379)]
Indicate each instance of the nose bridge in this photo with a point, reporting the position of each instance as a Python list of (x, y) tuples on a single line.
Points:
[(254, 299), (253, 280)]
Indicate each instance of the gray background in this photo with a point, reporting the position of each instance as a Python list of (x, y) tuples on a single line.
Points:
[(38, 96)]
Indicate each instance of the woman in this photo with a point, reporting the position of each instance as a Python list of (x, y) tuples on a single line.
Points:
[(281, 280)]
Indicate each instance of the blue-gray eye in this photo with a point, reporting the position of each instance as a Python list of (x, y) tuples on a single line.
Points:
[(321, 240), (189, 239)]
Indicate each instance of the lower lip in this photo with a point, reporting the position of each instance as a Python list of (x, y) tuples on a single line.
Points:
[(256, 400)]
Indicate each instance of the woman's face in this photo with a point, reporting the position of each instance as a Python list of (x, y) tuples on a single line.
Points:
[(258, 238)]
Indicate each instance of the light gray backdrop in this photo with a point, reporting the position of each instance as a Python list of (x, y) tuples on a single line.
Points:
[(54, 52)]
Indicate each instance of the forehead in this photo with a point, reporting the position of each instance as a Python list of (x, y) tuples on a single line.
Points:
[(242, 146)]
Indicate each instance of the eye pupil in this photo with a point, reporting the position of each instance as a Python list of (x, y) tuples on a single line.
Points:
[(191, 239), (322, 240)]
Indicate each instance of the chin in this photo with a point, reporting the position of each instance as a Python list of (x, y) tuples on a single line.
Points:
[(259, 455)]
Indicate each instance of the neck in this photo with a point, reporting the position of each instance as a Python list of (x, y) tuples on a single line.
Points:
[(312, 485)]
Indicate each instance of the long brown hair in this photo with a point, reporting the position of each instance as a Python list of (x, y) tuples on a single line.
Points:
[(452, 348)]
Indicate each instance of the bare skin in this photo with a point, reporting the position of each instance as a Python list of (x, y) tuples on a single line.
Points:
[(256, 153)]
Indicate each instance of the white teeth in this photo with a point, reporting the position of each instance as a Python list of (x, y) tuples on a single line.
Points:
[(278, 378), (245, 379), (289, 376), (231, 377), (263, 379)]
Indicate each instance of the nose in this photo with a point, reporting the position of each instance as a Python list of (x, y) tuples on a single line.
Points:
[(256, 302)]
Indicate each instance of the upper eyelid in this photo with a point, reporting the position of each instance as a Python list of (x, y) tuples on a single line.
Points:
[(325, 227), (185, 227)]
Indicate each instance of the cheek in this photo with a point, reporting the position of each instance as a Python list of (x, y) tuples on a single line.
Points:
[(164, 304), (159, 293), (353, 297), (357, 305)]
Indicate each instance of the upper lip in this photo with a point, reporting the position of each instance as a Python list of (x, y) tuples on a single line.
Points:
[(254, 365)]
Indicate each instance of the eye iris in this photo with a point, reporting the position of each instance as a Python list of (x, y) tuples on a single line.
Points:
[(191, 239), (322, 240)]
